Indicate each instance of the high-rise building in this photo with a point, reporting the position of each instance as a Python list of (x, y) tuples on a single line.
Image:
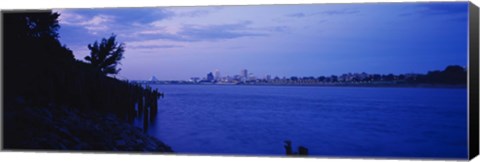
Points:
[(217, 75), (210, 77), (268, 77), (244, 74)]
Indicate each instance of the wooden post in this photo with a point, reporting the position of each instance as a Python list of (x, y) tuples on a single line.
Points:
[(302, 151), (288, 147), (140, 103), (145, 120)]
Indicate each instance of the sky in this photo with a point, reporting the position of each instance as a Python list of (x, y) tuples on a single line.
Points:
[(177, 43)]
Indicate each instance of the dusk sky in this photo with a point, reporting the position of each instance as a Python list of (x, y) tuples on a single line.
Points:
[(176, 43)]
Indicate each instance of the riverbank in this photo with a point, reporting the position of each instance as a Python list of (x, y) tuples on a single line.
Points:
[(56, 128), (368, 85)]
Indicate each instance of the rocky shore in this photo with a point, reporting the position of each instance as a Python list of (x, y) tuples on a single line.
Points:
[(66, 129)]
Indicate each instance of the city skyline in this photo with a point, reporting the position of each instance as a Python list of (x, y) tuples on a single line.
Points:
[(245, 75), (175, 43)]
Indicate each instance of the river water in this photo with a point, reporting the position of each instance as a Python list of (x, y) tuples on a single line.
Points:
[(329, 121)]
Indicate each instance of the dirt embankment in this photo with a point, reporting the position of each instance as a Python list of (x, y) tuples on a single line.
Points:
[(67, 129)]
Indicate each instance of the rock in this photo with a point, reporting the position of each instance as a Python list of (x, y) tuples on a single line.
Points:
[(33, 128)]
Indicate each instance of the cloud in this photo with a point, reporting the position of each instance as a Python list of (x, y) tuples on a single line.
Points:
[(282, 28), (69, 17), (194, 33), (152, 43), (326, 12), (153, 46), (437, 8), (218, 32), (96, 20), (194, 11), (154, 31), (149, 23), (92, 25), (339, 12), (127, 15), (299, 14), (97, 23)]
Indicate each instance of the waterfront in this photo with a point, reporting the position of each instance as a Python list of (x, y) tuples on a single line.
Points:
[(329, 121)]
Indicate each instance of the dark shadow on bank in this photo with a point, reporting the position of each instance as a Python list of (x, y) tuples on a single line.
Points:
[(54, 102)]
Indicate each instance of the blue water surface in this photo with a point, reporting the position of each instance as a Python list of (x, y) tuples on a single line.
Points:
[(329, 121)]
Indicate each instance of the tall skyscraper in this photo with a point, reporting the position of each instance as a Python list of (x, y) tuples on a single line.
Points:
[(244, 74), (217, 75)]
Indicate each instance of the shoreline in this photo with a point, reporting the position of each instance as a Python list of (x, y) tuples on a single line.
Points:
[(59, 128), (333, 85)]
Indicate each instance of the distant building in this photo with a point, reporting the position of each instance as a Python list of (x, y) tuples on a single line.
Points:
[(237, 77), (153, 79), (228, 78), (217, 75), (194, 79), (252, 78), (210, 77), (244, 74)]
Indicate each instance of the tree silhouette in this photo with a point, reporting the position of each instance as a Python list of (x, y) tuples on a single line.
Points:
[(32, 53), (106, 55)]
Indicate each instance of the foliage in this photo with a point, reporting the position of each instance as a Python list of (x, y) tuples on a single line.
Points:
[(39, 71), (32, 52), (453, 74), (106, 55)]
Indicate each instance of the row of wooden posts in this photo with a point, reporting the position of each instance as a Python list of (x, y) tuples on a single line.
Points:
[(147, 105), (302, 151)]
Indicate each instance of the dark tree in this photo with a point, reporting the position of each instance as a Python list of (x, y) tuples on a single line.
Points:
[(321, 78), (32, 54), (377, 77), (454, 74), (106, 55), (41, 73), (334, 78), (390, 77)]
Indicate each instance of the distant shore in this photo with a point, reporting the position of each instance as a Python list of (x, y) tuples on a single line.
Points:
[(369, 85)]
